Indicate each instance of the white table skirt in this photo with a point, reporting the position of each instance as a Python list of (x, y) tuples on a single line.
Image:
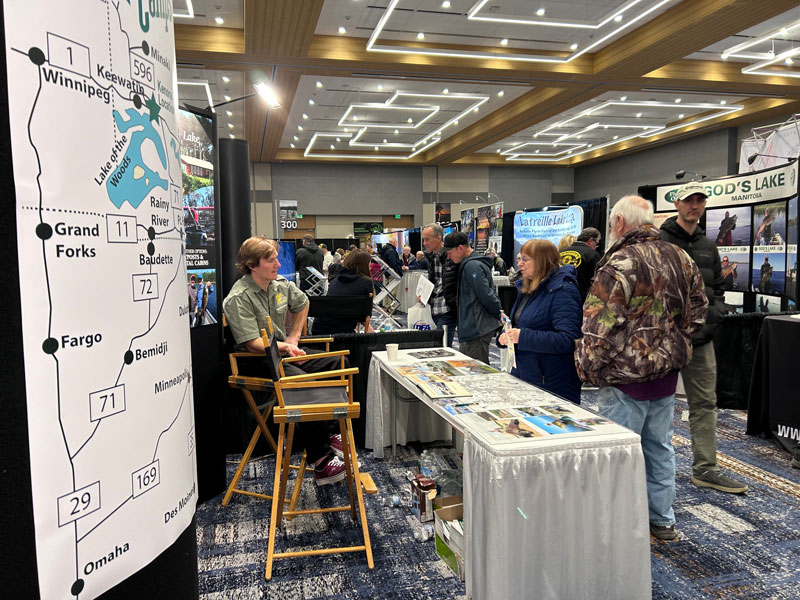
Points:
[(557, 523), (415, 421)]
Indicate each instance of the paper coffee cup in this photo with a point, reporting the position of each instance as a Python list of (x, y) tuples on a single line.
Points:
[(391, 351)]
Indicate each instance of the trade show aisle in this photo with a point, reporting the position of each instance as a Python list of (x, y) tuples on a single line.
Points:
[(728, 546)]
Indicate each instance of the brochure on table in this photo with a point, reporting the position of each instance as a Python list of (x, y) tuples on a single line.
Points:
[(498, 407)]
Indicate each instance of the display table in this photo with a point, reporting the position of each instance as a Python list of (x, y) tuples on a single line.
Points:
[(560, 514), (407, 291), (773, 406)]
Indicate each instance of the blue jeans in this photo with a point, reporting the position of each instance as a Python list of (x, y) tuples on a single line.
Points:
[(451, 322), (652, 420)]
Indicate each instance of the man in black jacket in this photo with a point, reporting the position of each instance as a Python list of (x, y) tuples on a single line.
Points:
[(443, 274), (700, 375), (390, 256), (583, 255), (308, 256)]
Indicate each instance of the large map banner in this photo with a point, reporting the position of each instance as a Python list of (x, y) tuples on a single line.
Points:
[(92, 96)]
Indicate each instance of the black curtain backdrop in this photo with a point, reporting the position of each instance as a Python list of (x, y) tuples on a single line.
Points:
[(595, 214)]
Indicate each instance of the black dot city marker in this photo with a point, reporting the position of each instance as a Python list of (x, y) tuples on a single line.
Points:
[(44, 231), (50, 345), (151, 233), (36, 56), (137, 101), (77, 587), (145, 48), (128, 357), (151, 248)]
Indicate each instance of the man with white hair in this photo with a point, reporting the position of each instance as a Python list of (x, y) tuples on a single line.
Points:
[(646, 302)]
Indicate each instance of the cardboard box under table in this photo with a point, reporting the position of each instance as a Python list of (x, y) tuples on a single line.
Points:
[(449, 536)]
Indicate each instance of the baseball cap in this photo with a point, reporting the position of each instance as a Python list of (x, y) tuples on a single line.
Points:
[(199, 277), (455, 239), (192, 278), (687, 189)]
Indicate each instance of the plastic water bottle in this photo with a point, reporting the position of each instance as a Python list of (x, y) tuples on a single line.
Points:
[(424, 533), (390, 500)]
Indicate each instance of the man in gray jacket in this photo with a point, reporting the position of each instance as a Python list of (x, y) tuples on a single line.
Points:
[(478, 305)]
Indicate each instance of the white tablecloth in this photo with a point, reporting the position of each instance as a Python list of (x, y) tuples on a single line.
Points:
[(550, 518), (415, 421)]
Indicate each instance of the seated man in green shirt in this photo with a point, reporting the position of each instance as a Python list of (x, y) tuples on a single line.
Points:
[(261, 292)]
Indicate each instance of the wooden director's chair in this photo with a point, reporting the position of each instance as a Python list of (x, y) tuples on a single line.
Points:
[(248, 384), (321, 396)]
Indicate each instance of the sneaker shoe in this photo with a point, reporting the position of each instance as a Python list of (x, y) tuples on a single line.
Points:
[(329, 471), (336, 444), (719, 481), (663, 532)]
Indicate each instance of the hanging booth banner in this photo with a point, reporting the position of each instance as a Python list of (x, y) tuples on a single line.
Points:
[(752, 219), (489, 228), (101, 237), (546, 225), (288, 214)]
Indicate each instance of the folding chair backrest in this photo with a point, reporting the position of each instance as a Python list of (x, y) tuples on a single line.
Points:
[(358, 307), (273, 362)]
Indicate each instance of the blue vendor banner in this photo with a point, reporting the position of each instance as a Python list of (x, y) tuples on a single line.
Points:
[(546, 224)]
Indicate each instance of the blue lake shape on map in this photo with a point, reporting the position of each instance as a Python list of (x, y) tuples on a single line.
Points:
[(135, 182)]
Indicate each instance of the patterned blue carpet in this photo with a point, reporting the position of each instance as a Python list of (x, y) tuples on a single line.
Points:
[(728, 546)]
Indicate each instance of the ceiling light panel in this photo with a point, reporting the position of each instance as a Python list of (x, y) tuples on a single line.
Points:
[(565, 26), (608, 121), (363, 116)]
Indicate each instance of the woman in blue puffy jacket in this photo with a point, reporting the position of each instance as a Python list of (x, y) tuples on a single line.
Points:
[(546, 321)]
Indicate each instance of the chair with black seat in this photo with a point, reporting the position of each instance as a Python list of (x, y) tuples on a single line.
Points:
[(346, 308), (322, 396), (248, 385)]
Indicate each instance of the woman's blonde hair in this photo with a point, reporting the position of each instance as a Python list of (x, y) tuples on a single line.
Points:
[(566, 242), (545, 257)]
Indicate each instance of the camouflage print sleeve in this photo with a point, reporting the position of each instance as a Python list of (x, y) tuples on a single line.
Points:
[(698, 299), (603, 323)]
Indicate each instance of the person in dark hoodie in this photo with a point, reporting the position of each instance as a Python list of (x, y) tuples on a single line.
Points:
[(478, 305), (353, 280), (700, 375), (546, 321), (308, 256)]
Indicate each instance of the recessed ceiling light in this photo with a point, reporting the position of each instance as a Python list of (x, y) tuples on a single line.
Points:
[(722, 102), (229, 113), (501, 93), (385, 141), (305, 117), (299, 128), (789, 60), (540, 12), (475, 109), (342, 30), (226, 79), (537, 152), (445, 91), (346, 130), (338, 139), (219, 20), (295, 138), (446, 4), (724, 57), (498, 151), (396, 131), (618, 18), (590, 145), (230, 135), (455, 122), (623, 98), (355, 118), (616, 137), (227, 98), (638, 115), (573, 47), (380, 87), (680, 116), (230, 125), (408, 120), (291, 145), (319, 84), (504, 42), (376, 148), (677, 100), (333, 147), (420, 36), (311, 101)]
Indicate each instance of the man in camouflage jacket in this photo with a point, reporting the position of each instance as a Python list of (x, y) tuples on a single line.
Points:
[(646, 302)]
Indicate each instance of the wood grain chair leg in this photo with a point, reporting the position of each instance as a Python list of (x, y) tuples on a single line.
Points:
[(287, 456), (298, 483), (360, 494), (348, 458), (273, 521), (242, 464)]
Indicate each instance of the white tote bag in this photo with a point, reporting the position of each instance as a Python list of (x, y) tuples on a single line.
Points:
[(419, 317)]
